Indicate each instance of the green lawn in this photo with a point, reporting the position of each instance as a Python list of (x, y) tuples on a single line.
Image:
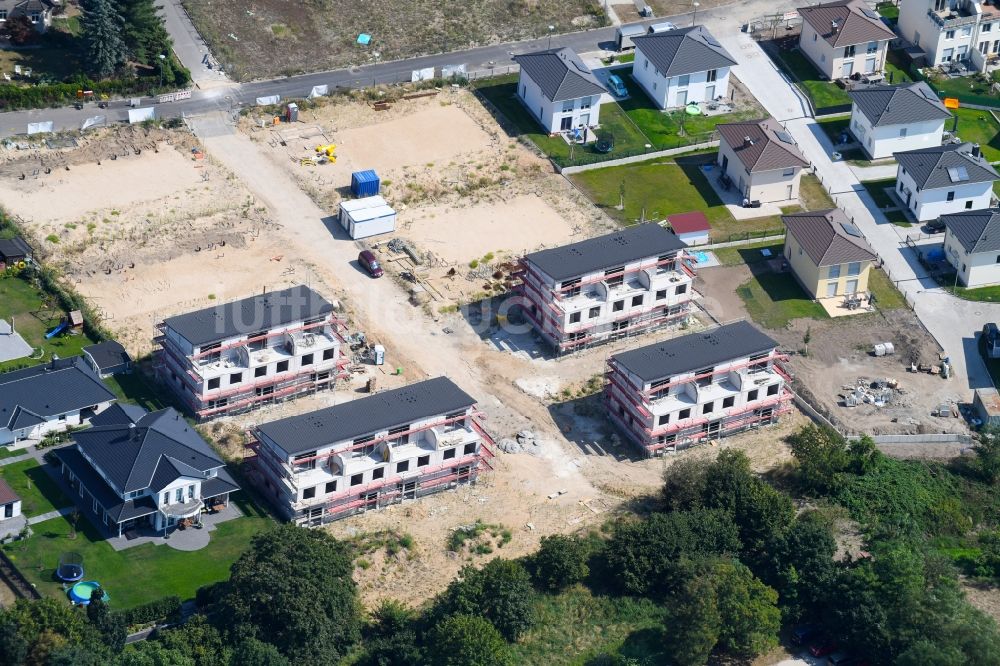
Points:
[(502, 93), (35, 314), (834, 127), (774, 299), (876, 188), (888, 10), (974, 88), (898, 218), (748, 254), (985, 294), (895, 66), (140, 574), (670, 129), (38, 491), (137, 389), (812, 194), (822, 93), (887, 297), (980, 127), (579, 627)]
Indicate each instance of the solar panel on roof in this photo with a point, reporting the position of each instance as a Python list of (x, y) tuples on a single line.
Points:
[(850, 229), (869, 13), (958, 174), (784, 136)]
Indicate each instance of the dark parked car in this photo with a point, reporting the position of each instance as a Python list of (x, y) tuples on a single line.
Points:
[(370, 263), (805, 633), (935, 226)]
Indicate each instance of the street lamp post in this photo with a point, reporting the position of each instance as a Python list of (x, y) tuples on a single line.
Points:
[(694, 17), (551, 28), (163, 59), (376, 55)]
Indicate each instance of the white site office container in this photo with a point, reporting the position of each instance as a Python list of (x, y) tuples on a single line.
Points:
[(366, 217)]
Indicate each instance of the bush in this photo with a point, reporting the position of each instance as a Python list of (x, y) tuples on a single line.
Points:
[(167, 608), (500, 592), (561, 561), (467, 640)]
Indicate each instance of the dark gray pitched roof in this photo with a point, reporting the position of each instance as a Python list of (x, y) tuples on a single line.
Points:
[(220, 483), (365, 416), (560, 74), (769, 147), (823, 234), (929, 167), (976, 230), (683, 51), (615, 249), (14, 247), (899, 105), (108, 354), (112, 502), (695, 351), (120, 413), (34, 395), (160, 446), (854, 26), (250, 315)]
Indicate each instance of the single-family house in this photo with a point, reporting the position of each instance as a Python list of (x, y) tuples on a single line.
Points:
[(761, 159), (828, 255), (13, 251), (559, 90), (844, 37), (892, 119), (951, 31), (38, 12), (49, 398), (972, 245), (944, 179), (154, 472), (681, 66), (108, 358), (10, 502)]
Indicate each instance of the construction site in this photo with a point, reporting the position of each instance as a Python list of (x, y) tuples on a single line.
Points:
[(151, 223)]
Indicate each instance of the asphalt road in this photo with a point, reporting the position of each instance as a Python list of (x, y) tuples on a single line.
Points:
[(216, 96)]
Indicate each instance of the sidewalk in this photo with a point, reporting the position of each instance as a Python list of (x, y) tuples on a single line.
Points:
[(937, 310), (189, 47)]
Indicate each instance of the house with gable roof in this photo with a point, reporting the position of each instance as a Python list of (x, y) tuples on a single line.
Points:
[(761, 159), (892, 119), (559, 90), (844, 37), (677, 67), (944, 179), (972, 245), (828, 254)]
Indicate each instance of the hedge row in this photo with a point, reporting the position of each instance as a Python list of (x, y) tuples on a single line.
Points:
[(57, 94), (167, 608)]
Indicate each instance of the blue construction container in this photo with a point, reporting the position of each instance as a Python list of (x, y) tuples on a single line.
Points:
[(364, 183)]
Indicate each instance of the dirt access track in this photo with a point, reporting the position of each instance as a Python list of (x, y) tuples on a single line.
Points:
[(269, 38)]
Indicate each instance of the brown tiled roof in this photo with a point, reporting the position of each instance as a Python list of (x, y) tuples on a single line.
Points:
[(7, 494), (823, 234), (769, 146), (853, 25)]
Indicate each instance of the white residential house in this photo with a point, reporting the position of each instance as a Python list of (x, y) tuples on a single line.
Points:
[(38, 12), (559, 90), (944, 179), (681, 66), (892, 119), (972, 246), (49, 398), (607, 288), (702, 386), (266, 348), (761, 160), (953, 31), (370, 452), (844, 37)]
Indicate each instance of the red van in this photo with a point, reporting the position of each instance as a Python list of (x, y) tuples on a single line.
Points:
[(370, 263)]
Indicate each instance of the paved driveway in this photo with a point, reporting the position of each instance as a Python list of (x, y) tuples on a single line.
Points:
[(188, 44), (953, 322)]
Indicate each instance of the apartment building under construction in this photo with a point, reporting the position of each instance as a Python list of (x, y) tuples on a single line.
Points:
[(606, 288), (364, 454), (676, 393), (267, 348)]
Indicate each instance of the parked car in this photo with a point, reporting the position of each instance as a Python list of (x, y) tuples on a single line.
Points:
[(617, 86), (842, 658), (822, 648), (804, 633), (935, 226), (370, 264)]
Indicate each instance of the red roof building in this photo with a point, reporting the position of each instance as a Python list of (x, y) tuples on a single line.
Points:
[(692, 228)]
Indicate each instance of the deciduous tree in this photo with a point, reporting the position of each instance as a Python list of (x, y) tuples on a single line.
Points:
[(467, 640), (501, 592), (561, 561)]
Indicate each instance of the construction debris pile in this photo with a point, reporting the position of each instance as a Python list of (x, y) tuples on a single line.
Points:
[(878, 392)]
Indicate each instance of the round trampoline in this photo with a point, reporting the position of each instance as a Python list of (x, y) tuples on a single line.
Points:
[(70, 567), (82, 593)]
